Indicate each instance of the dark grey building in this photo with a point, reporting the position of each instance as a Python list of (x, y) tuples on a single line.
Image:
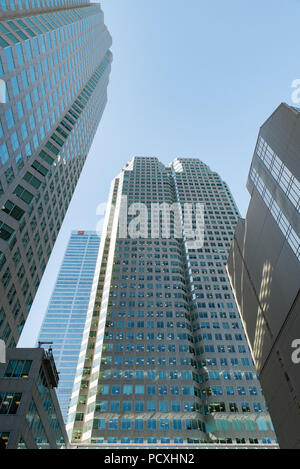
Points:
[(30, 417), (55, 63), (164, 357), (264, 266)]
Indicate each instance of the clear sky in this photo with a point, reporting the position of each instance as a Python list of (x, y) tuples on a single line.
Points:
[(190, 78)]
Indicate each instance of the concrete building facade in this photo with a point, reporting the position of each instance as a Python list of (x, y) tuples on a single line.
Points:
[(264, 267), (30, 416)]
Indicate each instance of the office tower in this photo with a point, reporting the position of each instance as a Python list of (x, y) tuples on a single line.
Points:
[(265, 270), (30, 416), (55, 62), (66, 314), (164, 357)]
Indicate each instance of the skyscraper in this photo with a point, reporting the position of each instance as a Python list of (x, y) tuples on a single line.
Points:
[(55, 63), (30, 416), (265, 270), (164, 357), (66, 314)]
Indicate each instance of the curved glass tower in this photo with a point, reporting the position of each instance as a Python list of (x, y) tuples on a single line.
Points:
[(54, 64)]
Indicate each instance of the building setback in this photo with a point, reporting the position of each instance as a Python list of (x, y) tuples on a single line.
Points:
[(264, 268), (164, 357), (55, 64), (66, 314), (30, 416)]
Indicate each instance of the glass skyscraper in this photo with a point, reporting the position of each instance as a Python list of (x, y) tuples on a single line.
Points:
[(55, 63), (164, 357), (66, 314)]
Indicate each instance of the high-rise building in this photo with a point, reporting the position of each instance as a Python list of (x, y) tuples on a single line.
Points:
[(30, 417), (164, 357), (55, 64), (66, 314), (264, 266)]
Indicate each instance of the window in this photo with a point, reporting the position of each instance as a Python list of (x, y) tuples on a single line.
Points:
[(9, 119), (139, 389), (18, 369), (139, 424), (127, 389), (163, 406), (9, 59), (12, 210), (113, 424), (127, 406), (23, 194), (151, 406), (126, 424), (4, 155), (9, 402), (6, 231), (151, 424)]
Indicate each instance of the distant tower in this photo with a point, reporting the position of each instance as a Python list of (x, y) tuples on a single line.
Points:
[(68, 308)]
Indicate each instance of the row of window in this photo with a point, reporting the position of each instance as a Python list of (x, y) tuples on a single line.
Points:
[(162, 336), (174, 406), (26, 4), (166, 441), (166, 424), (164, 390), (282, 175), (281, 220), (18, 369)]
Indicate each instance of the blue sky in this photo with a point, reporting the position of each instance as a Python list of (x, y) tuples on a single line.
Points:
[(189, 79)]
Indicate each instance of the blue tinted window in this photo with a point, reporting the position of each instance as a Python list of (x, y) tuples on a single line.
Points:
[(36, 95), (20, 54), (4, 153), (15, 86), (24, 79), (19, 108), (139, 424), (32, 122), (14, 141), (42, 132), (3, 5), (28, 101), (163, 406), (28, 152), (9, 59), (35, 141), (36, 46), (24, 131), (9, 119), (139, 389), (28, 50)]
